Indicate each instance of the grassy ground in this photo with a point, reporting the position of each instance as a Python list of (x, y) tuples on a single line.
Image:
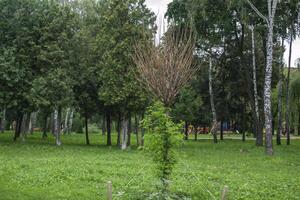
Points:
[(38, 169)]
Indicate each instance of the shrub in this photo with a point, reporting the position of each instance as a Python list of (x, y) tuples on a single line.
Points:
[(162, 134)]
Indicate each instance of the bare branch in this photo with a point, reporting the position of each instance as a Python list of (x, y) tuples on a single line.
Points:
[(165, 69)]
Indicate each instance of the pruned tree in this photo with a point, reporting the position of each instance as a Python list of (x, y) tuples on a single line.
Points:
[(164, 70), (167, 68)]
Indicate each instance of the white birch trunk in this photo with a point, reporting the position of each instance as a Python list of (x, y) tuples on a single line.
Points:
[(124, 134), (272, 4), (56, 128), (32, 121), (70, 121), (212, 103), (66, 128), (259, 136), (254, 74), (24, 128)]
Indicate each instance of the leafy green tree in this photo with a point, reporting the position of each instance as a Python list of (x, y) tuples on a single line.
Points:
[(123, 24)]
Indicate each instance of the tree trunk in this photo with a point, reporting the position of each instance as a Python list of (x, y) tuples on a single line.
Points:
[(57, 118), (108, 127), (119, 129), (280, 96), (3, 120), (32, 124), (136, 130), (124, 133), (53, 123), (259, 135), (86, 130), (45, 126), (221, 131), (287, 100), (212, 104), (103, 125), (24, 128), (196, 134), (142, 132), (186, 131), (129, 130), (244, 124), (70, 121), (66, 121), (268, 78), (18, 127)]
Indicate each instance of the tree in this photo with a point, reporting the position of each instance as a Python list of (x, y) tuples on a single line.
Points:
[(272, 6), (122, 24), (165, 70)]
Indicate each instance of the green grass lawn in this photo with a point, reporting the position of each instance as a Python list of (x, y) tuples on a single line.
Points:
[(37, 169)]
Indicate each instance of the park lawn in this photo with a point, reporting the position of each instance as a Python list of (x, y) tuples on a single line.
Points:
[(37, 169)]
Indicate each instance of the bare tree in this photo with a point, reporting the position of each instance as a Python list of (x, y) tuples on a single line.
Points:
[(272, 6), (166, 68)]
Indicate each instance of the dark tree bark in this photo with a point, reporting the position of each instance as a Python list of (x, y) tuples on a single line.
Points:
[(45, 126), (221, 131), (186, 130), (129, 130), (142, 132), (3, 120), (136, 130), (119, 129), (287, 100), (108, 127), (103, 125), (196, 134), (86, 130), (244, 124), (18, 126), (24, 126), (280, 97)]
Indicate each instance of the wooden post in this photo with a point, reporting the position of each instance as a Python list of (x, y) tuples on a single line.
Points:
[(224, 193), (109, 190)]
